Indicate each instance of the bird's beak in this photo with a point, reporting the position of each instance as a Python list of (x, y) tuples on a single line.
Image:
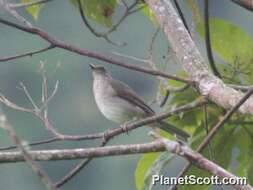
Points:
[(92, 66)]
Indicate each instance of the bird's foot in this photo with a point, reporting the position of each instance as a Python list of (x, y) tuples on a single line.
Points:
[(106, 137), (124, 128)]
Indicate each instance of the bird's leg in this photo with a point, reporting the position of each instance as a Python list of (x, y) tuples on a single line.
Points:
[(105, 137), (124, 126)]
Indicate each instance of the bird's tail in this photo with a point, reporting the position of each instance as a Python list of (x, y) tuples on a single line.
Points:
[(182, 135)]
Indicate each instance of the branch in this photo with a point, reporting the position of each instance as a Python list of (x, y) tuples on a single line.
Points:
[(215, 129), (80, 153), (192, 61), (106, 135), (26, 154), (73, 172), (155, 146), (62, 45), (31, 53), (247, 4), (14, 13), (202, 162), (105, 35)]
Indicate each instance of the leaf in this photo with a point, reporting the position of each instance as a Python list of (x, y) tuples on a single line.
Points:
[(100, 11), (222, 147), (33, 10), (147, 11), (149, 165), (228, 40), (144, 163), (250, 173), (156, 168)]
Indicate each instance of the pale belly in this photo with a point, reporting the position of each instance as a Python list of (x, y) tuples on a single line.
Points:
[(118, 110)]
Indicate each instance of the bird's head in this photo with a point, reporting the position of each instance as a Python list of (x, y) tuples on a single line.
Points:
[(98, 70)]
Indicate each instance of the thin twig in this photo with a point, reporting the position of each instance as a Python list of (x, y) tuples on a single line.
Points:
[(208, 41), (113, 28), (31, 53), (240, 87), (110, 133), (107, 137), (29, 96)]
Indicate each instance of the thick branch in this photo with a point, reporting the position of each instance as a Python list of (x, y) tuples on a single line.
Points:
[(192, 61), (156, 146), (70, 154)]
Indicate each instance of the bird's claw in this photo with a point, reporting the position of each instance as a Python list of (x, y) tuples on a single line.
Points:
[(124, 128), (105, 137)]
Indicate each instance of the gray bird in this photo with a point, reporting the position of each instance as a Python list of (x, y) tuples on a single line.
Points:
[(119, 103)]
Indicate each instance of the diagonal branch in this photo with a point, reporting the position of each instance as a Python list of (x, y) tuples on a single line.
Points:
[(247, 4), (192, 61), (215, 129), (26, 154)]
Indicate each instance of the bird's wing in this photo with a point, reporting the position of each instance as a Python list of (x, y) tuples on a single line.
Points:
[(124, 91)]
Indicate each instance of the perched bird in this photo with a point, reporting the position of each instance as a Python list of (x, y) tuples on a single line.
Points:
[(120, 103)]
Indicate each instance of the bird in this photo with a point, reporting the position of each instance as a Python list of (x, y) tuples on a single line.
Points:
[(119, 103)]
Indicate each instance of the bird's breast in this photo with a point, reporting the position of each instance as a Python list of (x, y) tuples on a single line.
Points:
[(112, 106)]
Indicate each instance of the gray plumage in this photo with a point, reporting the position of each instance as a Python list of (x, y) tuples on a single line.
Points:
[(119, 103)]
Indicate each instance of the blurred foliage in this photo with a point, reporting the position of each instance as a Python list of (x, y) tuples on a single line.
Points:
[(33, 10), (100, 11)]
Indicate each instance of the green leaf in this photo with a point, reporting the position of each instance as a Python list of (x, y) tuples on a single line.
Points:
[(100, 11), (250, 173), (234, 46), (144, 164), (228, 40), (221, 147), (33, 10), (156, 168), (149, 13), (149, 165)]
